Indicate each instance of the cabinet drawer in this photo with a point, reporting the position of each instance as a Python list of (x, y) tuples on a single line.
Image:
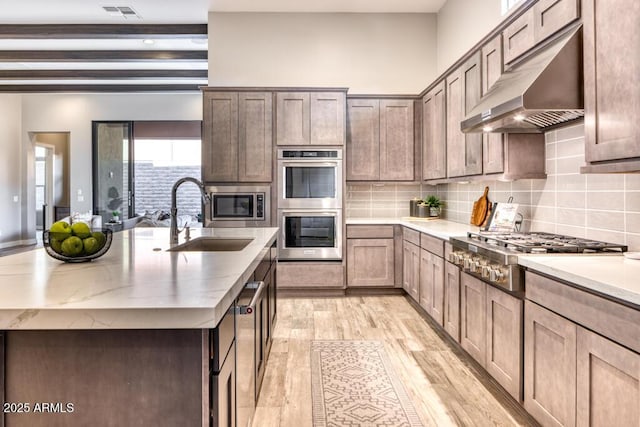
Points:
[(615, 321), (432, 244), (518, 37), (410, 235), (369, 231), (553, 15), (310, 275)]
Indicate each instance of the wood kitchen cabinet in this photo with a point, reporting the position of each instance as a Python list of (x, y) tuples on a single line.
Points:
[(380, 140), (611, 89), (452, 300), (492, 143), (607, 382), (463, 90), (504, 340), (434, 142), (411, 263), (432, 285), (542, 20), (370, 256), (237, 136), (310, 118), (473, 317), (550, 366)]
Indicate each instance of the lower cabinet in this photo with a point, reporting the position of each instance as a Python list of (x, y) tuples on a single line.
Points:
[(576, 377), (432, 285), (491, 331), (452, 300), (370, 262), (411, 269)]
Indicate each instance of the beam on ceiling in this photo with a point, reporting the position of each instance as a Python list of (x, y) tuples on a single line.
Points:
[(102, 74), (104, 31), (45, 88), (101, 55)]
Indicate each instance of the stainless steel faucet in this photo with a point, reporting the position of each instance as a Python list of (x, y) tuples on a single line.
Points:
[(173, 232)]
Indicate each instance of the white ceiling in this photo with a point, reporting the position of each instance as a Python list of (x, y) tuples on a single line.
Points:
[(189, 11)]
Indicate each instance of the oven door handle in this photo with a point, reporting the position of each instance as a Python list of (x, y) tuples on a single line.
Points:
[(310, 163), (249, 309)]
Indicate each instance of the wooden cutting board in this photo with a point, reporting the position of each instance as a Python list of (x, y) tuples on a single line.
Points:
[(480, 208)]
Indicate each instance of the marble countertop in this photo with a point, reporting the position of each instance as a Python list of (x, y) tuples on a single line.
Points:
[(137, 284), (613, 276), (440, 228)]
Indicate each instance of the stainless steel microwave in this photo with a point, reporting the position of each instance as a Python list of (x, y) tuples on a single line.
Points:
[(238, 206)]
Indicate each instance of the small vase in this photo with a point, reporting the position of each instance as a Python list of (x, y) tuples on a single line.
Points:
[(434, 212), (115, 218), (423, 211)]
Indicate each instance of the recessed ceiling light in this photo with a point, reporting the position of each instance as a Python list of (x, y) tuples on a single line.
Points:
[(148, 41), (487, 129), (518, 117)]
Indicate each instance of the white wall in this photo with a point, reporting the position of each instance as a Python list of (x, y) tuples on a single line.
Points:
[(368, 53), (74, 113), (462, 24), (10, 185)]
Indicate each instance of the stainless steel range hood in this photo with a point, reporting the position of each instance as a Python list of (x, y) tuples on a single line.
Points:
[(540, 92)]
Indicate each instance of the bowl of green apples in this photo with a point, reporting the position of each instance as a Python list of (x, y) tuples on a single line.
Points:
[(75, 242)]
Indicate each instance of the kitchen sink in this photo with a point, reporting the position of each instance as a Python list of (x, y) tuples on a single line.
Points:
[(212, 244)]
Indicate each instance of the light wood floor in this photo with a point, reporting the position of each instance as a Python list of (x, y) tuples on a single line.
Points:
[(445, 386)]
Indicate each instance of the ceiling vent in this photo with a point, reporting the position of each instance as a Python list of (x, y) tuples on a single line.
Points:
[(121, 11)]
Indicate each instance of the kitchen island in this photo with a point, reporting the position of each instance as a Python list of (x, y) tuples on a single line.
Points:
[(127, 339)]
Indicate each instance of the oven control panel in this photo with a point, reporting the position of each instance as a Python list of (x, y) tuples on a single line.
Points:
[(508, 277)]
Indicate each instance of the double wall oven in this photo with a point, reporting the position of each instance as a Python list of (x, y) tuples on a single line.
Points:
[(310, 204)]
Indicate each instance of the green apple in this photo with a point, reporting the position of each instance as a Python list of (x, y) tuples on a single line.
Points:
[(72, 246), (56, 245), (81, 229), (60, 230), (100, 237), (91, 245)]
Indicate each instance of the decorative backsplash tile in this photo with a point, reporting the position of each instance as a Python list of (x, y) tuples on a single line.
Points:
[(599, 206)]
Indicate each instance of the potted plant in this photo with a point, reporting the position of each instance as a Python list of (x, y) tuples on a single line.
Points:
[(434, 204), (115, 216)]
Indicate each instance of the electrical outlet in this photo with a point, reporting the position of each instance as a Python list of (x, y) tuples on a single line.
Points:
[(81, 198), (15, 199), (79, 191)]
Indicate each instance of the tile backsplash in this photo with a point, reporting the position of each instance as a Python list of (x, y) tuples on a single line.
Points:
[(599, 206)]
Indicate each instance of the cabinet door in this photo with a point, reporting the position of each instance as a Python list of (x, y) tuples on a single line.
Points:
[(396, 140), (492, 143), (452, 300), (552, 15), (255, 139), (464, 151), (434, 142), (292, 118), (608, 377), (437, 301), (370, 262), (549, 366), (518, 37), (411, 270), (611, 89), (504, 340), (363, 140), (426, 281), (473, 315), (327, 114), (220, 137)]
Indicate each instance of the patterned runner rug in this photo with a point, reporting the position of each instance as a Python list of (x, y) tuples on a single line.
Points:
[(354, 385)]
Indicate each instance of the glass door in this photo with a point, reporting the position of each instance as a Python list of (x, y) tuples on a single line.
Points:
[(112, 170), (311, 234)]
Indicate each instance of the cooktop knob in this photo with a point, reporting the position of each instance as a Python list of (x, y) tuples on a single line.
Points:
[(495, 275)]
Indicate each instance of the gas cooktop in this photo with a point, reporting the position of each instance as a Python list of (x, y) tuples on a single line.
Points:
[(540, 242)]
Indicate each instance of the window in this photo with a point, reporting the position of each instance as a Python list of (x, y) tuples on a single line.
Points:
[(508, 5)]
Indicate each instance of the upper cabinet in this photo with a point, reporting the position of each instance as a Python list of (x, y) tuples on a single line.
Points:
[(612, 92), (237, 136), (544, 19), (463, 89), (434, 141), (310, 118), (492, 143), (380, 140)]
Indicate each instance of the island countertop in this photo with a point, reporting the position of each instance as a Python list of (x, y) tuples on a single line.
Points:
[(137, 284)]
